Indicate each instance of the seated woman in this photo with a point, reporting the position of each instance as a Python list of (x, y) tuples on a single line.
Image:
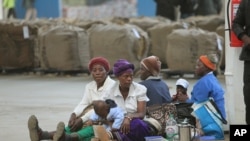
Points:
[(99, 68), (157, 89), (132, 98), (207, 87)]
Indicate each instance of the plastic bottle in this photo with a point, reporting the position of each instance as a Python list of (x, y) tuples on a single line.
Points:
[(171, 128)]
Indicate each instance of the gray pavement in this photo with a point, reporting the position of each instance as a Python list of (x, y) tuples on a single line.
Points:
[(50, 97)]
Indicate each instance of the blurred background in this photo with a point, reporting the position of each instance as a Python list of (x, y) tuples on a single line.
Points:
[(92, 8), (63, 35)]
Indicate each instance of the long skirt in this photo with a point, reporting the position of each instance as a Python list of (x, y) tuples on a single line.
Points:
[(138, 131)]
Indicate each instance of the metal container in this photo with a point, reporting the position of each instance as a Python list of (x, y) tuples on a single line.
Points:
[(185, 131)]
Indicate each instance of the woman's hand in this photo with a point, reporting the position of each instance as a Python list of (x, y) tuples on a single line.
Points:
[(174, 97), (77, 125), (72, 120), (125, 128)]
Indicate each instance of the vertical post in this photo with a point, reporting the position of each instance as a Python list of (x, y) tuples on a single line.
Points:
[(1, 9), (234, 83)]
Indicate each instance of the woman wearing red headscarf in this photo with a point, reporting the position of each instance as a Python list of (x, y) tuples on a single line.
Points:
[(99, 68)]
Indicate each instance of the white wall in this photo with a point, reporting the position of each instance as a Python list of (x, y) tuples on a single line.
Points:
[(234, 80)]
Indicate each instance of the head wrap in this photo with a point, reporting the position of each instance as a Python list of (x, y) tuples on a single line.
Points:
[(122, 66), (207, 62), (152, 64), (182, 82), (101, 61)]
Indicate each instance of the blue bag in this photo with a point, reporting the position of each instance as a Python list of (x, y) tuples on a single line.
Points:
[(211, 119)]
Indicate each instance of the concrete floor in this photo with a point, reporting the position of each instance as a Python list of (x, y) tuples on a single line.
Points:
[(50, 97)]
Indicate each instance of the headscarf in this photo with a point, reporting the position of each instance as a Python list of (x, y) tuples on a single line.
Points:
[(122, 66), (101, 61), (152, 64), (209, 61)]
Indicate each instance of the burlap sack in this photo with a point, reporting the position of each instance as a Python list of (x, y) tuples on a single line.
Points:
[(63, 48), (115, 42), (16, 52), (185, 47), (158, 37), (147, 22), (209, 23)]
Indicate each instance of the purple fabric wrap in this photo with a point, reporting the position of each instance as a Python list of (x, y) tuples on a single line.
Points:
[(138, 130), (122, 66)]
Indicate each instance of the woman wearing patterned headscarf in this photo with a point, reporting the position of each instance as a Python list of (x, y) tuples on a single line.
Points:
[(99, 68), (132, 98), (157, 89)]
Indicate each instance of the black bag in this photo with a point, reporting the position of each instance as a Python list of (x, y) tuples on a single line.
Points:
[(184, 110)]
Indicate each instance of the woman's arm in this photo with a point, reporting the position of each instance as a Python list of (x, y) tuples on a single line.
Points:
[(141, 111), (86, 100)]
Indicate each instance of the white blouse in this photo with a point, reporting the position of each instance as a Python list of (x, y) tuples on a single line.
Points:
[(137, 92), (91, 93)]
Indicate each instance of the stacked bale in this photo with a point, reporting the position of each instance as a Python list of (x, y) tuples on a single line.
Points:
[(147, 22), (185, 46), (63, 48), (17, 41), (209, 23), (158, 37), (213, 23), (68, 44), (115, 41)]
